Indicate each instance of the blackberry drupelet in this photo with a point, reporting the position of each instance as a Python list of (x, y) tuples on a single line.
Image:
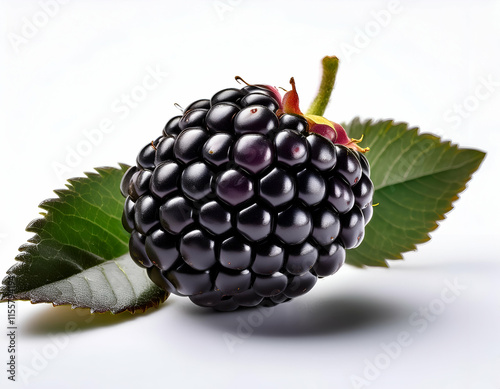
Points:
[(245, 201)]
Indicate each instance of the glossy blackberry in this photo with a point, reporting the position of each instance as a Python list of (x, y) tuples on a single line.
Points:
[(198, 250), (161, 248), (176, 214), (238, 204), (231, 95), (146, 157), (253, 152), (235, 254), (220, 117), (172, 126), (293, 225), (260, 99), (165, 179), (277, 187), (294, 123), (196, 181), (254, 222), (188, 144), (291, 148), (217, 148), (202, 103), (164, 149), (234, 187), (255, 119), (193, 118), (215, 218)]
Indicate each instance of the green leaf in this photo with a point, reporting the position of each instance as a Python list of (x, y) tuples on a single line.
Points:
[(79, 253), (416, 177)]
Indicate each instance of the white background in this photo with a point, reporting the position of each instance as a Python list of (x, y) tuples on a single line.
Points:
[(64, 69)]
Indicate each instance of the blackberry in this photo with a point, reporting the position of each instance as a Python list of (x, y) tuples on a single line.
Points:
[(244, 201)]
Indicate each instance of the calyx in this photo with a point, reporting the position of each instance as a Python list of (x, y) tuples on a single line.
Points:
[(318, 124)]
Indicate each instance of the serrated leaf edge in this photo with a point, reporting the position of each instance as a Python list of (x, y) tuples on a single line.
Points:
[(37, 224), (387, 123)]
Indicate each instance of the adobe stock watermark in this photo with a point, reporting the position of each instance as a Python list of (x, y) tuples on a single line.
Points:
[(484, 90), (418, 321), (405, 164), (40, 358), (370, 30), (245, 327), (222, 7), (33, 25), (11, 332), (121, 108)]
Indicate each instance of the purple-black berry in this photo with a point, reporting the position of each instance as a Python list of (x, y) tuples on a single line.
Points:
[(245, 201)]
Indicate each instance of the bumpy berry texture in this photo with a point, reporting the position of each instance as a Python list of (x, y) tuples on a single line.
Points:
[(239, 204)]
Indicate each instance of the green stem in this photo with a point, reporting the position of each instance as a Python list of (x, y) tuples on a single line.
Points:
[(330, 67)]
